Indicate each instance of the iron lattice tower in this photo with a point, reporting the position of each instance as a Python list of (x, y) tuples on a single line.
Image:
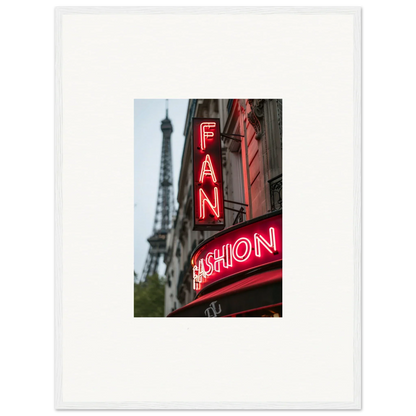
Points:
[(164, 205)]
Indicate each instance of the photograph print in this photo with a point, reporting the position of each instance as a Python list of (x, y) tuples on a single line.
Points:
[(208, 208)]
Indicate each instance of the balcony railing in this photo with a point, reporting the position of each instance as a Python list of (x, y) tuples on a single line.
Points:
[(276, 193), (239, 217)]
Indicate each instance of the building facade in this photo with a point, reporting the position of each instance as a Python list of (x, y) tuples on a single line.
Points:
[(251, 133)]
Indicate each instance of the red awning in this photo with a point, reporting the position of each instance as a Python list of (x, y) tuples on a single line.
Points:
[(255, 291)]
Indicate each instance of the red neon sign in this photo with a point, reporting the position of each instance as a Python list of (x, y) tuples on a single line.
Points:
[(237, 249), (206, 132), (207, 175), (207, 170)]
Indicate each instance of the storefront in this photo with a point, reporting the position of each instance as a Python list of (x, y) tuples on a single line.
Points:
[(238, 271)]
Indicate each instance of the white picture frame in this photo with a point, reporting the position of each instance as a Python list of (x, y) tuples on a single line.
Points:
[(94, 85)]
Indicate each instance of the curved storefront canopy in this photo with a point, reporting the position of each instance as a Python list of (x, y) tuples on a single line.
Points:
[(262, 291)]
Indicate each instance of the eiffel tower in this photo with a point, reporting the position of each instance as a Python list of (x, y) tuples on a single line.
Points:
[(164, 206)]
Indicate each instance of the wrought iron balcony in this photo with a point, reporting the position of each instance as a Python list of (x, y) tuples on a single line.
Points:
[(276, 193), (240, 216)]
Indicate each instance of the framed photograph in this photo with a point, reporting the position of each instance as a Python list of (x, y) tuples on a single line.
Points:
[(176, 129)]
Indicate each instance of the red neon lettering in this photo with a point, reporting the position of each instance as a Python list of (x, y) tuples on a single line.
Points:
[(199, 273), (270, 247), (208, 261), (229, 249), (196, 277), (207, 170), (224, 258), (247, 251), (239, 250), (202, 271), (204, 199), (206, 134)]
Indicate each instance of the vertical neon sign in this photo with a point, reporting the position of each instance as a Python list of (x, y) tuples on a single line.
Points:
[(207, 175)]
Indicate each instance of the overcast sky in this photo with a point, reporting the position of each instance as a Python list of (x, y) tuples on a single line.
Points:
[(148, 115)]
